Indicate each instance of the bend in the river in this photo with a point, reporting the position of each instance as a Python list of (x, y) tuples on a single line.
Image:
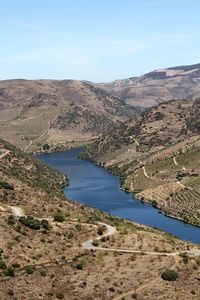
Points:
[(94, 186)]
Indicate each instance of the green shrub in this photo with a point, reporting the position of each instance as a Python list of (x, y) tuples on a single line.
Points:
[(29, 270), (9, 272), (95, 243), (60, 296), (101, 230), (6, 185), (45, 224), (154, 203), (30, 222), (16, 265), (185, 257), (17, 238), (80, 265), (46, 147), (11, 220), (198, 261), (10, 292), (43, 273), (169, 275), (59, 217), (2, 264)]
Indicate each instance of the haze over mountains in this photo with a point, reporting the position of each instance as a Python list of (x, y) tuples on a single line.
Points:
[(182, 82)]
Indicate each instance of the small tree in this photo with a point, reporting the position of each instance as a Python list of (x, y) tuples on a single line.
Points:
[(59, 217), (11, 220), (2, 264), (45, 224), (169, 275), (9, 272), (46, 147), (101, 229), (29, 270), (95, 243)]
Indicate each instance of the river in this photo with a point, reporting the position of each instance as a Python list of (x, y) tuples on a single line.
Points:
[(96, 187)]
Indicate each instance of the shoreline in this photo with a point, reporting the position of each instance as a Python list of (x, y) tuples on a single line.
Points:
[(139, 222), (135, 194), (59, 148)]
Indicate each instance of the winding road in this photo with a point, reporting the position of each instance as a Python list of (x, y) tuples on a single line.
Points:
[(110, 230)]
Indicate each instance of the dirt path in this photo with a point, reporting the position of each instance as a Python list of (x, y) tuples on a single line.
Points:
[(184, 186), (136, 142), (176, 163), (111, 230), (122, 296), (50, 122), (141, 287), (145, 173), (17, 211), (132, 185)]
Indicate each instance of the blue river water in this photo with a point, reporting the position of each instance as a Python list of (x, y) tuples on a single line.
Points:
[(96, 187)]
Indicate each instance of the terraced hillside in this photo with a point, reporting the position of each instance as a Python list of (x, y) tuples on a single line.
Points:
[(158, 157), (51, 248), (33, 113)]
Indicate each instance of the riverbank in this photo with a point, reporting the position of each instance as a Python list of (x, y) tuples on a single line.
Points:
[(92, 185), (135, 193), (57, 147)]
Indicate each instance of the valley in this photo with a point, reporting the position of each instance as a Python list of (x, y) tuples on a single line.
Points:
[(65, 220), (100, 150)]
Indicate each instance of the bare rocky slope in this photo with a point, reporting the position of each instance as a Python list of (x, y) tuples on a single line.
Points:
[(157, 156), (182, 82), (50, 111)]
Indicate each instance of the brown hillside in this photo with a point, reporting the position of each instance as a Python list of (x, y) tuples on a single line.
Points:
[(158, 156), (48, 111)]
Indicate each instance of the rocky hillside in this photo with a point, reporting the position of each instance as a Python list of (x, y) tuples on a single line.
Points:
[(182, 82), (49, 111), (157, 155), (156, 128), (43, 239)]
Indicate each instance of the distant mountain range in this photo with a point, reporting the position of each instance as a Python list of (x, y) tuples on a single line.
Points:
[(35, 112), (182, 82)]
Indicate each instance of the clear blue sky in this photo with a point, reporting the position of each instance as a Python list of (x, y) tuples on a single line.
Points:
[(97, 40)]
